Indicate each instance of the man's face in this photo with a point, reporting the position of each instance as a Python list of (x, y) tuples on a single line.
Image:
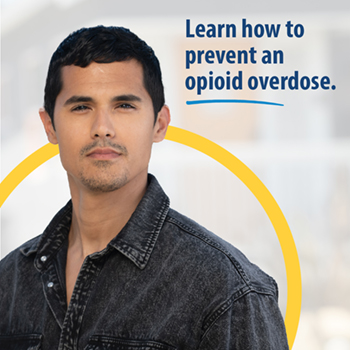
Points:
[(104, 125)]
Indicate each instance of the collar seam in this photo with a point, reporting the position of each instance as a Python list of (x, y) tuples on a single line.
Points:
[(143, 255)]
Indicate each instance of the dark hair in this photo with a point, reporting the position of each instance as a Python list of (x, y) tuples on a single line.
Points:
[(103, 45)]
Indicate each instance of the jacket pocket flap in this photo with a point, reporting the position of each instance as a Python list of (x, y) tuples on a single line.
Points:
[(20, 342), (102, 342)]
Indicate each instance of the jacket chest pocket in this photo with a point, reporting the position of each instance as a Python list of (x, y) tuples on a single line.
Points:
[(20, 342), (101, 342)]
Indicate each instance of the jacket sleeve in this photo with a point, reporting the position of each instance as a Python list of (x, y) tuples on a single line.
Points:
[(253, 322)]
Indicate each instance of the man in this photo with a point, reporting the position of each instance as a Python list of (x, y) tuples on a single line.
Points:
[(116, 268)]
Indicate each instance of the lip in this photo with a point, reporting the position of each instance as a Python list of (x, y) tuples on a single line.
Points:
[(103, 154)]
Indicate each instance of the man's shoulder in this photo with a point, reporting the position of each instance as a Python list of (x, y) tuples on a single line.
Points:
[(25, 250), (56, 232), (216, 255)]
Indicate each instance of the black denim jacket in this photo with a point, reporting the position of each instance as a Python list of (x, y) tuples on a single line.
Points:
[(163, 282)]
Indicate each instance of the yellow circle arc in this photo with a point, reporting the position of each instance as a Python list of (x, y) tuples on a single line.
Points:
[(228, 160)]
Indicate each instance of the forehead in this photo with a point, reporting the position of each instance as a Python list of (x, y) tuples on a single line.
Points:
[(121, 77)]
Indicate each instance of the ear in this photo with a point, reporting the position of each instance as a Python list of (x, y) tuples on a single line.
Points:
[(49, 129), (161, 125)]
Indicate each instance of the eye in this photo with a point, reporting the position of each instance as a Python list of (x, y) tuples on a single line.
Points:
[(126, 106), (80, 108)]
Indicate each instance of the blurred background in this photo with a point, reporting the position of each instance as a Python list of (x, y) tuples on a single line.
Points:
[(300, 151)]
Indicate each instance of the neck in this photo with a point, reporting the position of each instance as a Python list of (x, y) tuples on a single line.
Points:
[(98, 217)]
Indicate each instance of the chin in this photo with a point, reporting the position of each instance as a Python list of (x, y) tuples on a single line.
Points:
[(100, 184)]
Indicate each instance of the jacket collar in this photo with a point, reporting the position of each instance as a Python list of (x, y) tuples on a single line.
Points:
[(136, 240), (138, 237)]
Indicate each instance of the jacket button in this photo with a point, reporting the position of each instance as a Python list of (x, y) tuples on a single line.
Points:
[(50, 284), (43, 258)]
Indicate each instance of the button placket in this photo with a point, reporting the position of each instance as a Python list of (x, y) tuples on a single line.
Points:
[(53, 292), (74, 316)]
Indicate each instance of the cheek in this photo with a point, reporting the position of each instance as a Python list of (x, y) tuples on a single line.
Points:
[(140, 146), (69, 150), (71, 137), (137, 135), (145, 143), (66, 155)]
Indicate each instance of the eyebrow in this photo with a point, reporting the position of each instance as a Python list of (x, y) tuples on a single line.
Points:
[(75, 99), (119, 98), (126, 98)]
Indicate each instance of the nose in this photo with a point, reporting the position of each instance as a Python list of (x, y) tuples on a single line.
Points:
[(102, 125)]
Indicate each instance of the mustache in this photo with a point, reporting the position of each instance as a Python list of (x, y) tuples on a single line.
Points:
[(102, 144)]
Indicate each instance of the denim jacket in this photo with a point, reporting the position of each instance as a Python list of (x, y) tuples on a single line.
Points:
[(164, 282)]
